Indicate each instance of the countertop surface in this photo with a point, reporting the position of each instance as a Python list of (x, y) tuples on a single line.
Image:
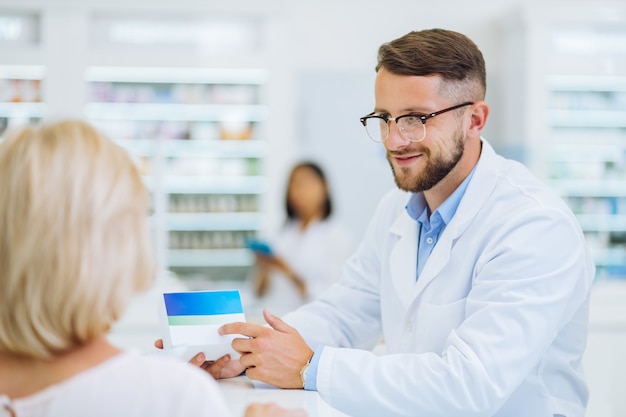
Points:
[(241, 391)]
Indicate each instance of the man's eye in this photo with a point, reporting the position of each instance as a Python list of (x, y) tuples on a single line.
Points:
[(412, 120)]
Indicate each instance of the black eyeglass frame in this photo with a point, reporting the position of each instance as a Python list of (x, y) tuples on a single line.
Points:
[(422, 117)]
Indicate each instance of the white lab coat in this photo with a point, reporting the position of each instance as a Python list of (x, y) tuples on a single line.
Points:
[(495, 325)]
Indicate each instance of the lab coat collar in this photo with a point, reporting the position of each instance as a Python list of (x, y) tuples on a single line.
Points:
[(403, 258)]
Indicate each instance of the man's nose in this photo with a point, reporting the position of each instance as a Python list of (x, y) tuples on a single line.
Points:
[(395, 138)]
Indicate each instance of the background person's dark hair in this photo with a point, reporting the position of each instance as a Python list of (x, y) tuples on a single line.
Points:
[(312, 166), (452, 55)]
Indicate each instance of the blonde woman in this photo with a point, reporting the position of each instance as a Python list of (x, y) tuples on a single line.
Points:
[(74, 249)]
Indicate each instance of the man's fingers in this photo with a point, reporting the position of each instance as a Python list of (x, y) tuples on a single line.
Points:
[(158, 343), (276, 322), (248, 361), (244, 345), (244, 329)]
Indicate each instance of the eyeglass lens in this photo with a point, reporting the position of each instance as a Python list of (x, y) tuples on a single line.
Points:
[(411, 128)]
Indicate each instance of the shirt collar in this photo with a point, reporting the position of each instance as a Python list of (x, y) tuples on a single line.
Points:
[(418, 209)]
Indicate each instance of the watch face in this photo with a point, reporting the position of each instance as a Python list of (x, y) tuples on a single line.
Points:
[(303, 373)]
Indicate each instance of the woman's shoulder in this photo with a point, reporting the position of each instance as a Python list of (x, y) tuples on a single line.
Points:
[(179, 386), (159, 372), (161, 364), (132, 385)]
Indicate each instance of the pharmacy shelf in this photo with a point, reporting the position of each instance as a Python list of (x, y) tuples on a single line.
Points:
[(20, 95), (589, 188), (566, 110), (198, 135), (209, 257), (173, 75), (602, 223), (176, 112), (22, 72), (183, 148), (214, 185), (22, 110), (610, 257), (587, 118), (236, 221), (586, 83)]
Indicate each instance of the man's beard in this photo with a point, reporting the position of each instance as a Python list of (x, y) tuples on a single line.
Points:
[(433, 173)]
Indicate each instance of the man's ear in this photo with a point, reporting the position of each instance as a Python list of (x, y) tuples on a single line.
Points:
[(478, 117)]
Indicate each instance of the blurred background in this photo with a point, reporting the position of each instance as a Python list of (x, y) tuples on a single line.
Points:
[(218, 100)]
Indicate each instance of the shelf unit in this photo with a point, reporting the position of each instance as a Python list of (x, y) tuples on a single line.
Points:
[(198, 135), (565, 86), (20, 95), (187, 94), (186, 89)]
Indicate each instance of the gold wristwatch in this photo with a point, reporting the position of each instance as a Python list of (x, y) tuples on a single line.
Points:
[(303, 372)]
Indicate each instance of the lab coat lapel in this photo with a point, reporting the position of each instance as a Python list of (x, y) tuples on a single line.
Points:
[(436, 261), (477, 192), (403, 257)]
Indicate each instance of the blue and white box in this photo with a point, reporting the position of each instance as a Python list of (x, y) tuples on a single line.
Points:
[(190, 322)]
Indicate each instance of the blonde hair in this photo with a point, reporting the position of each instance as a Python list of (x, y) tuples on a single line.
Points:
[(74, 237)]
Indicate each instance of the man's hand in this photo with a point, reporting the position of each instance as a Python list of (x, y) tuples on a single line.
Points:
[(224, 367), (271, 355)]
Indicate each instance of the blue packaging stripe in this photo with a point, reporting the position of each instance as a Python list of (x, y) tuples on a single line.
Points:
[(202, 303)]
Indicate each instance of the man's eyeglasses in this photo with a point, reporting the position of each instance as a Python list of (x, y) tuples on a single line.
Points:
[(412, 126)]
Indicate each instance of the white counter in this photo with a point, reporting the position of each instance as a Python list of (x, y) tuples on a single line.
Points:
[(241, 391), (604, 361)]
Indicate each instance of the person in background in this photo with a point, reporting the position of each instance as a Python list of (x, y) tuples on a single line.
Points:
[(74, 248), (475, 273), (308, 253)]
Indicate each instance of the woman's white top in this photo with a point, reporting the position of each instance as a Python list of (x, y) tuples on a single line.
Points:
[(316, 255), (126, 385)]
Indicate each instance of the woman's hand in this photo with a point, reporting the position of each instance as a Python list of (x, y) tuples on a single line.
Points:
[(300, 286), (267, 262), (262, 279), (272, 410), (224, 367)]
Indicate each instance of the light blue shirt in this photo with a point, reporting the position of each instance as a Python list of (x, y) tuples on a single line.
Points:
[(430, 230), (432, 226)]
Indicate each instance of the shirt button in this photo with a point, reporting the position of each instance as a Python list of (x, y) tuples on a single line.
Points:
[(430, 240), (409, 326)]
